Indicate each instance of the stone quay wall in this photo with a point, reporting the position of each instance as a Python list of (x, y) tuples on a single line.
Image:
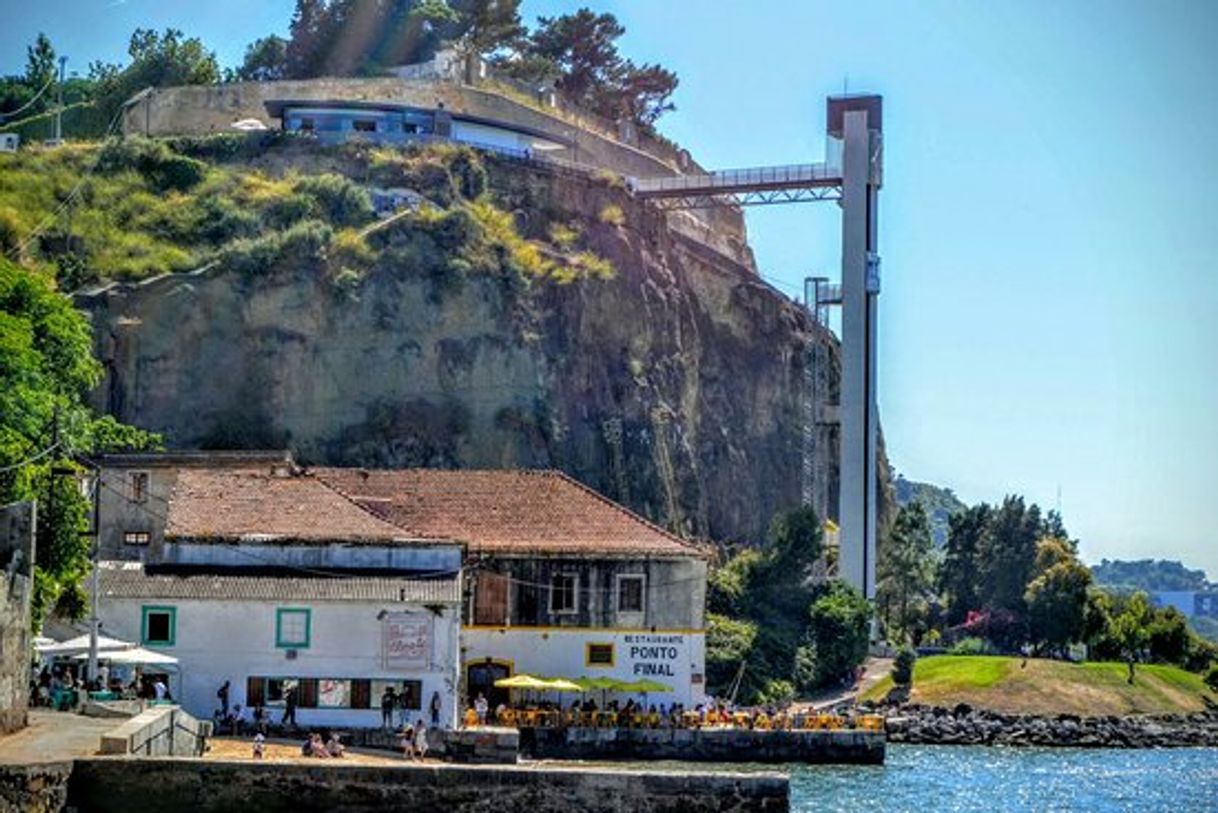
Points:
[(964, 725), (38, 788), (706, 745), (16, 587), (103, 785)]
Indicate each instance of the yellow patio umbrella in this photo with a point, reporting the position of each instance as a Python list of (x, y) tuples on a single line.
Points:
[(562, 685), (645, 686), (521, 681)]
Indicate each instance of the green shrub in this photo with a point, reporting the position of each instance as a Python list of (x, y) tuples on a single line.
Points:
[(968, 646), (220, 220), (285, 212), (778, 693), (903, 666), (154, 160), (302, 244), (613, 215), (468, 174), (1211, 677), (342, 201)]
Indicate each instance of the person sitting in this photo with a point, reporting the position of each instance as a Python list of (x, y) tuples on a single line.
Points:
[(471, 717), (334, 746), (317, 748)]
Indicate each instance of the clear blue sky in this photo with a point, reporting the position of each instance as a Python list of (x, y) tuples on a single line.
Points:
[(1049, 223)]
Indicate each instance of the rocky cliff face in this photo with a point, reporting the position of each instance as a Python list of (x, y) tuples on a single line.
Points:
[(675, 387)]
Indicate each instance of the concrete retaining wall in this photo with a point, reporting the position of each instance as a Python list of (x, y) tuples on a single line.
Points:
[(710, 745), (203, 786), (159, 731)]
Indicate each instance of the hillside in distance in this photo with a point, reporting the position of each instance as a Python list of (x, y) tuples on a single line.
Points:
[(940, 503)]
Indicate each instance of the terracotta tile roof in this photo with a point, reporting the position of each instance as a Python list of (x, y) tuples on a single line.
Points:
[(130, 580), (247, 504), (505, 512)]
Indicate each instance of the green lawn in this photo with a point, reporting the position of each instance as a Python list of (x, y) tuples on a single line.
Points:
[(1050, 687)]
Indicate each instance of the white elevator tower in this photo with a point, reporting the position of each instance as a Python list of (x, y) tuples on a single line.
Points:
[(855, 122), (851, 175)]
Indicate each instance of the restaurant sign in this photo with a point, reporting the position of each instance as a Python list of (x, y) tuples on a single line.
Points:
[(406, 640)]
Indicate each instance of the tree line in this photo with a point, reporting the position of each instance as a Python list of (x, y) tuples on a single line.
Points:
[(1010, 580), (577, 54)]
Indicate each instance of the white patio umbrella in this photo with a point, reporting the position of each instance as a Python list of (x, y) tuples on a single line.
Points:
[(79, 644), (137, 655)]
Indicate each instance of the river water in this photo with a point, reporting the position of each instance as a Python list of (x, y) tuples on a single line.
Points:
[(929, 779)]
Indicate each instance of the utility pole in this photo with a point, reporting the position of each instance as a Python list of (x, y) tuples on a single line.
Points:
[(95, 532), (63, 61)]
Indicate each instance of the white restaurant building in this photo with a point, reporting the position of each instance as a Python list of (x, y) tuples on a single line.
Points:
[(437, 581)]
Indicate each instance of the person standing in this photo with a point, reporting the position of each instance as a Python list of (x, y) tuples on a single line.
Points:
[(436, 705), (289, 705), (481, 706), (388, 701), (159, 689), (420, 738), (222, 696)]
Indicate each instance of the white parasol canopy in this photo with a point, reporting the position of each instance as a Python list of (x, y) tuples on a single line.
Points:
[(79, 644), (136, 655)]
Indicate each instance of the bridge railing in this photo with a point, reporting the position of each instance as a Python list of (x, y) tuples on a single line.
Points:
[(755, 177)]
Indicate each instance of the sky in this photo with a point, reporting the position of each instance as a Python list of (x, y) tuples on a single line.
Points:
[(1048, 224)]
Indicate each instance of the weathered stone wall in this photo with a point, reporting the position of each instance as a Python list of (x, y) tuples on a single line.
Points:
[(706, 745), (16, 587), (676, 388), (39, 788), (102, 785)]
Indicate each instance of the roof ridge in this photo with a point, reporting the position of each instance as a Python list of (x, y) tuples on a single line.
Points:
[(562, 475)]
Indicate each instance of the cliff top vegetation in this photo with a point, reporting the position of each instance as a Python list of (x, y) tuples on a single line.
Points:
[(127, 210)]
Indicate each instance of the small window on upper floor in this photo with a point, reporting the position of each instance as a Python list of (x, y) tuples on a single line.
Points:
[(364, 125), (293, 628), (137, 486), (630, 594), (136, 537), (160, 626), (563, 589)]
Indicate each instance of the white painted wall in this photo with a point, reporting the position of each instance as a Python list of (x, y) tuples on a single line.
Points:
[(675, 658), (231, 640)]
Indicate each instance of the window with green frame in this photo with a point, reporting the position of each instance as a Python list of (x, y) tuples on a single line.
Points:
[(159, 626), (293, 627)]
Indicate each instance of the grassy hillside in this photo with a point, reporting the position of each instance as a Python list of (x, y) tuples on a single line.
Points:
[(135, 208), (1051, 687)]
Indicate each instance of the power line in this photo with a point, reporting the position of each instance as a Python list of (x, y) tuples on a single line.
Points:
[(46, 221), (37, 96), (34, 459)]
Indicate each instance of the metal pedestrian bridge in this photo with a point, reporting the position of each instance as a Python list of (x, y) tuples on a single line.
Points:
[(794, 183)]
